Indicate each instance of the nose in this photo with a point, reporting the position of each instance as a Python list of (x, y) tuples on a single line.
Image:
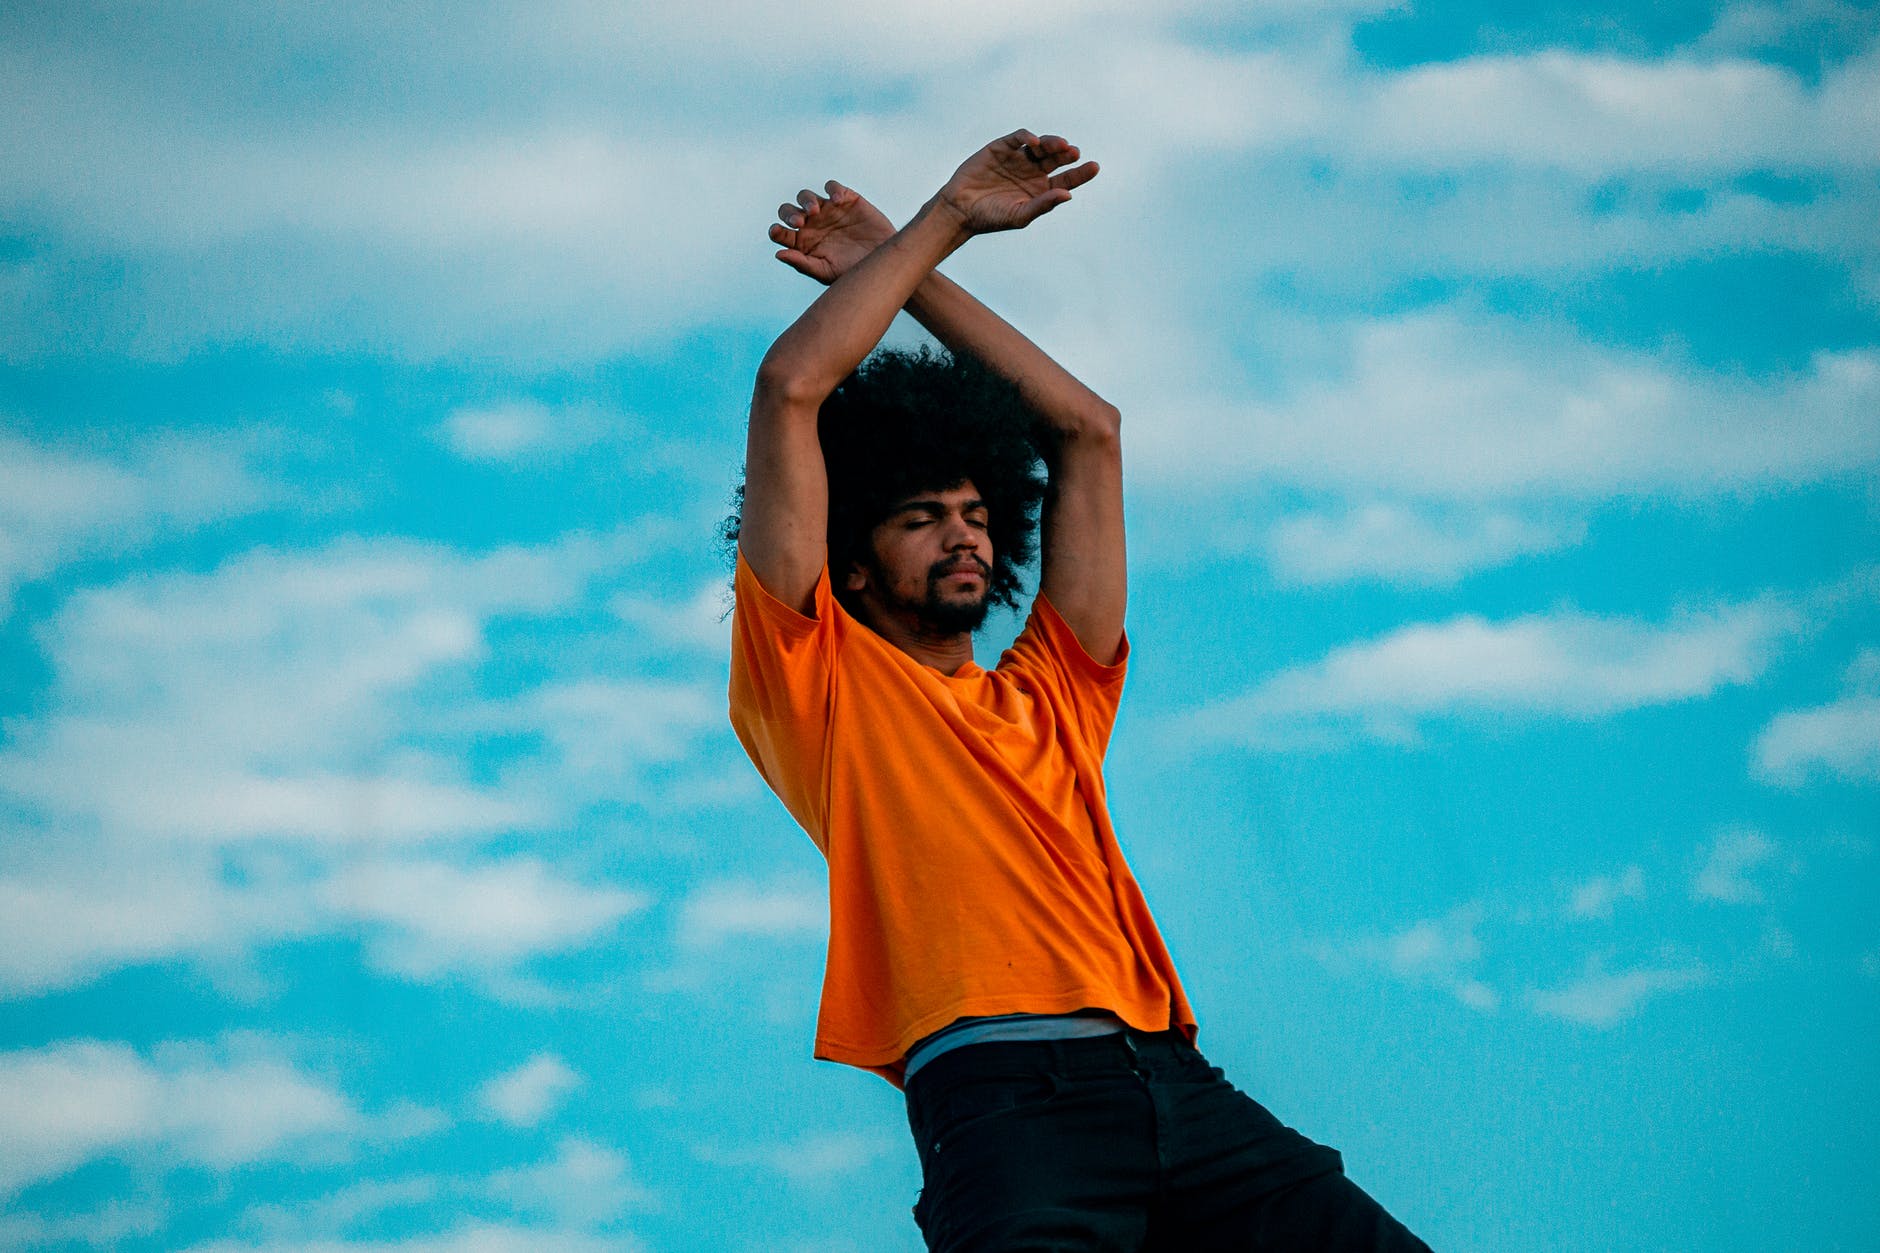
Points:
[(960, 535)]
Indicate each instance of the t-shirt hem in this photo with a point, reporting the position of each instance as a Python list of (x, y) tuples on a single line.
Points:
[(888, 1061), (776, 611), (1069, 647)]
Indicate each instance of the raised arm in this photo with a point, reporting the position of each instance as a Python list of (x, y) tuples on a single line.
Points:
[(783, 533), (1084, 566)]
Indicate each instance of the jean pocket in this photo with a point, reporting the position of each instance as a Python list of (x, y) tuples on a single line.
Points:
[(973, 1100)]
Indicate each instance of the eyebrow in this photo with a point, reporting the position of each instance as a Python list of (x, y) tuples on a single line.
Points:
[(933, 508)]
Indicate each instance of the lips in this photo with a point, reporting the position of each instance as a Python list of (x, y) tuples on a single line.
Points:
[(970, 569)]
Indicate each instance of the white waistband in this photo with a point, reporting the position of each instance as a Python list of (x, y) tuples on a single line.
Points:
[(1008, 1027)]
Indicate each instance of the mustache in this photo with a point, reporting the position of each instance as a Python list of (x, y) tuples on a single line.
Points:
[(953, 565)]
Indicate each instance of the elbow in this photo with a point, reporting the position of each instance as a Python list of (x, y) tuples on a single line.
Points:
[(1098, 424), (787, 386)]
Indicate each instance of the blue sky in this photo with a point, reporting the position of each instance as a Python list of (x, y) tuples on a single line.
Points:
[(1502, 396)]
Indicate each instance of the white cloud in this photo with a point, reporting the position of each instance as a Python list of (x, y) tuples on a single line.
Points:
[(1588, 115), (91, 909), (88, 908), (815, 1158), (438, 917), (73, 1102), (1565, 664), (1779, 941), (1439, 405), (584, 1185), (1401, 544), (496, 236), (698, 623), (1599, 999), (298, 677), (1594, 114), (552, 231), (582, 1190), (604, 732), (729, 910), (498, 432), (107, 1227), (1840, 739), (1730, 865), (346, 1207), (474, 1237), (915, 37), (1443, 952), (1596, 897), (518, 430), (57, 506), (224, 758), (1753, 26), (523, 1097)]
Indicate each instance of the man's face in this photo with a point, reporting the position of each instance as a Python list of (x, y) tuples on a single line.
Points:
[(932, 562)]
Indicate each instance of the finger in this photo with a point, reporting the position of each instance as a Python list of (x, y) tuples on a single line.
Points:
[(782, 235), (790, 214), (1049, 151), (1075, 177), (1038, 206), (808, 199), (804, 264), (1020, 141), (1058, 146), (1053, 151), (837, 192)]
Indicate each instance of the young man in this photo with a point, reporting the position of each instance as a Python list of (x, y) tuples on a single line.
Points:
[(989, 950)]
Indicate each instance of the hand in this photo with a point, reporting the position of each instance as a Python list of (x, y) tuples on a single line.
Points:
[(822, 236), (1009, 183)]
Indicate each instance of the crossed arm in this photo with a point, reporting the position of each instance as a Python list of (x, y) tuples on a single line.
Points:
[(873, 271)]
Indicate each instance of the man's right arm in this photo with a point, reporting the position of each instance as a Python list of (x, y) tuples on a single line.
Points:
[(784, 526), (783, 531)]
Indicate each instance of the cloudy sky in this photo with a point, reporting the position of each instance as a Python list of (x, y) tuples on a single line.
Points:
[(1502, 396)]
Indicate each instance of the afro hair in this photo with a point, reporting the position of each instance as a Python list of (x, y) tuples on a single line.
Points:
[(908, 422)]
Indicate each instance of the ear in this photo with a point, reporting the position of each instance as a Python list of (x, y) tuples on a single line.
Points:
[(857, 579)]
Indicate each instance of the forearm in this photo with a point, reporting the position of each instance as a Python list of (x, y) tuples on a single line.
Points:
[(845, 323), (965, 325)]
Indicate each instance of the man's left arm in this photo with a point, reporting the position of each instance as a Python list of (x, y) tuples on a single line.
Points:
[(1084, 565), (1084, 568)]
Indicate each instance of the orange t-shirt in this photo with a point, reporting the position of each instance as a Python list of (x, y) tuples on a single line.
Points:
[(972, 866)]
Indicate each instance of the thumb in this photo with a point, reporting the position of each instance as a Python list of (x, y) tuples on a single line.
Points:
[(1040, 205), (808, 266)]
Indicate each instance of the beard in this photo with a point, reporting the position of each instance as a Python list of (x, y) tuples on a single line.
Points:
[(942, 613), (955, 616)]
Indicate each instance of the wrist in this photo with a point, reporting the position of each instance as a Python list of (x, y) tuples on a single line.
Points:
[(944, 208)]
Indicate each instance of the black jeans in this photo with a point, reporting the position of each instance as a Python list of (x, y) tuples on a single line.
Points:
[(1122, 1142)]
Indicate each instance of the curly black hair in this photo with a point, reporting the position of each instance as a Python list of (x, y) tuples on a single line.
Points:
[(908, 422)]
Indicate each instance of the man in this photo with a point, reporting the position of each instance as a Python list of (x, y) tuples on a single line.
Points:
[(989, 949)]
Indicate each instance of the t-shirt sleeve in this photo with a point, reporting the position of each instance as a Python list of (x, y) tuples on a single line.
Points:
[(1087, 690), (781, 671)]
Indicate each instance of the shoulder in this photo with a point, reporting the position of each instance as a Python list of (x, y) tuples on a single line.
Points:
[(1049, 641), (753, 599)]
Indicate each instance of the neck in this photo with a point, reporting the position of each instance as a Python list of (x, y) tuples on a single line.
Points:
[(945, 652)]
